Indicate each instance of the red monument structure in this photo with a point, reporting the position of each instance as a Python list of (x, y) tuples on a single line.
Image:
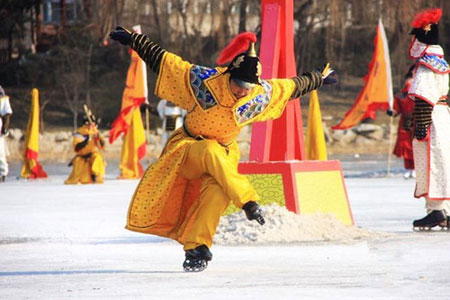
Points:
[(277, 165)]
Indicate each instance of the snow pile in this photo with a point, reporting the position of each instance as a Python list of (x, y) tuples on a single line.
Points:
[(283, 226)]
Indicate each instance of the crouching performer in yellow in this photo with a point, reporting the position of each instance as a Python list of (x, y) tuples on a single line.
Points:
[(88, 165), (184, 193)]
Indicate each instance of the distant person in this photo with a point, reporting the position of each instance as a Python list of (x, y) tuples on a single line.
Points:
[(5, 114), (171, 116), (88, 165), (431, 143), (183, 194), (403, 106)]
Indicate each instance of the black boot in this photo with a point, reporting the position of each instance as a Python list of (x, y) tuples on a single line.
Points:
[(94, 178), (197, 259), (2, 178), (446, 225), (433, 219)]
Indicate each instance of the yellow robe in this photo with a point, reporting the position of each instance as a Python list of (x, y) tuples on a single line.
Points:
[(88, 160), (163, 201)]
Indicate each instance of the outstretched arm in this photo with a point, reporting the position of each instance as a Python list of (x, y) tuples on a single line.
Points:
[(149, 51), (81, 145), (306, 83), (310, 81), (173, 72)]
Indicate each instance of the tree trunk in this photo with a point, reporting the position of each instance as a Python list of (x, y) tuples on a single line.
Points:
[(157, 22), (88, 77), (242, 16), (41, 115), (62, 16)]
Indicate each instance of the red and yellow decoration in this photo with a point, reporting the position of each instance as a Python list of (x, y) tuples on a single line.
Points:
[(304, 187), (277, 168)]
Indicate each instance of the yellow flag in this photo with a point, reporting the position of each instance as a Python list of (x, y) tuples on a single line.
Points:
[(133, 148), (316, 148), (31, 167)]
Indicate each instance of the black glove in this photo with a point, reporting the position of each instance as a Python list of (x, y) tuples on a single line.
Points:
[(329, 75), (422, 118), (390, 112), (150, 108), (253, 212), (121, 35), (421, 131)]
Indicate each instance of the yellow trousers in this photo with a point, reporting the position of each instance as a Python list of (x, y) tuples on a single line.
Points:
[(217, 166)]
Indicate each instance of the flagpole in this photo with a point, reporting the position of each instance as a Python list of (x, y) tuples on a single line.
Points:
[(391, 135), (147, 124), (389, 90)]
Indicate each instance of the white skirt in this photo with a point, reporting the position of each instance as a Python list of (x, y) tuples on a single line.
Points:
[(432, 158)]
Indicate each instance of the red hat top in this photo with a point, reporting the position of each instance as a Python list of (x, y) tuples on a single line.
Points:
[(426, 17), (239, 44)]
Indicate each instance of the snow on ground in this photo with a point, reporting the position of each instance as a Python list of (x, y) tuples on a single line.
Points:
[(283, 226), (69, 242)]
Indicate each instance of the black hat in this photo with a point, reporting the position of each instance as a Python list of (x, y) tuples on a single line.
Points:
[(425, 26), (245, 68), (429, 37)]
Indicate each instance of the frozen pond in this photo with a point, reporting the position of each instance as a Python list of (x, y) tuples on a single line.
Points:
[(69, 242)]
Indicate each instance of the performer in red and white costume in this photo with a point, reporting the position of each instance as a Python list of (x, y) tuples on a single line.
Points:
[(431, 143), (403, 106)]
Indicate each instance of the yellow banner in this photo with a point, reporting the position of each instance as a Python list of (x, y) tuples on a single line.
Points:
[(31, 168), (316, 148)]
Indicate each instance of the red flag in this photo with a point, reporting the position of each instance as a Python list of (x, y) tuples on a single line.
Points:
[(377, 92)]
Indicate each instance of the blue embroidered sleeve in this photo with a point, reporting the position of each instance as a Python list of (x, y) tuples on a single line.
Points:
[(197, 76), (435, 63), (255, 106)]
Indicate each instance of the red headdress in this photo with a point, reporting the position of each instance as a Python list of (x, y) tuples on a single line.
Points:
[(429, 16), (238, 45)]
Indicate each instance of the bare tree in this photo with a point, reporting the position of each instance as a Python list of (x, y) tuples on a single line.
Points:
[(243, 15)]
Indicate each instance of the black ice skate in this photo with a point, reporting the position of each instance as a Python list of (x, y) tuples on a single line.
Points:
[(433, 219), (197, 259), (445, 225)]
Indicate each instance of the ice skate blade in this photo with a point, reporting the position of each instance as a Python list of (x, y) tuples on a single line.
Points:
[(432, 229), (191, 267), (423, 229), (193, 270)]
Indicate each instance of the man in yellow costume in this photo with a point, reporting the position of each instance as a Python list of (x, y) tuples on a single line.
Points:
[(183, 194), (88, 164)]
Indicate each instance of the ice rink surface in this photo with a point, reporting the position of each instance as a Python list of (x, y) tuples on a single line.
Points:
[(69, 242)]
